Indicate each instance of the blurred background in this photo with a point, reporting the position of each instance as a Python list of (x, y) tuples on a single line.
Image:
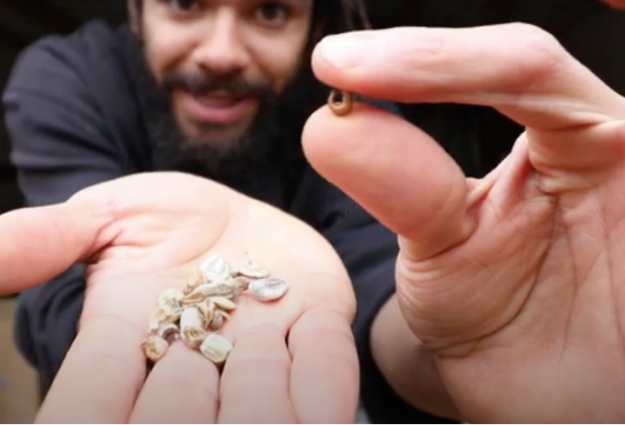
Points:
[(477, 138)]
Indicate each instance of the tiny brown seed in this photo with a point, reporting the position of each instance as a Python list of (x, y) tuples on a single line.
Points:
[(340, 102)]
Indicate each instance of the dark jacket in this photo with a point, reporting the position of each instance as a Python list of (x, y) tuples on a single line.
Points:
[(76, 117)]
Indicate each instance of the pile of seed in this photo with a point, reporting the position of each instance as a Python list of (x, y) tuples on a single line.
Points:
[(196, 313)]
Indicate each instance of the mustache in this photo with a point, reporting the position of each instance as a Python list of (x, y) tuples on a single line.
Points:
[(200, 83)]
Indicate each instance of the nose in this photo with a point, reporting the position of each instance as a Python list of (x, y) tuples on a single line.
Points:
[(223, 49)]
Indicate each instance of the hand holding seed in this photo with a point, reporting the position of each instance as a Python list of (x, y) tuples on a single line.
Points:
[(512, 284), (201, 305)]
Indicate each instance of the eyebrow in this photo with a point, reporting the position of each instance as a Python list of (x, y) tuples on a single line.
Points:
[(299, 2)]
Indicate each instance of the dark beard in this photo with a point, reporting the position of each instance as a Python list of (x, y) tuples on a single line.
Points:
[(271, 146)]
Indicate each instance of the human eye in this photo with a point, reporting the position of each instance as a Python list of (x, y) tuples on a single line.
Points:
[(183, 6), (272, 14)]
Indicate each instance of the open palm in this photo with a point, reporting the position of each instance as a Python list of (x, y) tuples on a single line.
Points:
[(293, 360)]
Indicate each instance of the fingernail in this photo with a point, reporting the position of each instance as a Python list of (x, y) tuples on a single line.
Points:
[(345, 50)]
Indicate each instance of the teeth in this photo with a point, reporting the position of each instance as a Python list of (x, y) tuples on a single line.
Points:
[(212, 100)]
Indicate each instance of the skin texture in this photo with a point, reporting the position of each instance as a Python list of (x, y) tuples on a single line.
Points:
[(513, 283), (289, 357)]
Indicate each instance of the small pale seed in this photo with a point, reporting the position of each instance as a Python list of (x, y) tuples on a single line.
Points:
[(242, 282), (154, 347), (161, 315), (253, 270), (170, 298), (216, 348), (226, 288), (166, 330), (191, 316), (223, 303), (193, 298), (268, 289), (193, 336), (218, 320), (207, 308), (192, 327), (196, 279), (234, 269), (215, 266)]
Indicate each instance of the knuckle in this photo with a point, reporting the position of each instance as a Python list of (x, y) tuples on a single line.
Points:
[(421, 44), (539, 52), (321, 322), (98, 201)]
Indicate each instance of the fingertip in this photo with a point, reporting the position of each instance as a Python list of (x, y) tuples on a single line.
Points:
[(344, 60), (389, 167), (329, 140), (53, 237)]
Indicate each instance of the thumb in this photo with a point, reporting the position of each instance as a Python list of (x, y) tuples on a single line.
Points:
[(39, 243), (393, 170)]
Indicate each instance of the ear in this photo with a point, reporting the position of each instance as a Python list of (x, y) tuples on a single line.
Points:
[(133, 15)]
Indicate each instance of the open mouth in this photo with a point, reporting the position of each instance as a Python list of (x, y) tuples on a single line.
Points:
[(216, 107)]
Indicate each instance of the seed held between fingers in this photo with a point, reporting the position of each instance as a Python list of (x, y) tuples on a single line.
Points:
[(340, 102)]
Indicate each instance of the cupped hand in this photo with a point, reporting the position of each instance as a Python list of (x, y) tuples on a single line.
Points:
[(516, 282), (293, 360)]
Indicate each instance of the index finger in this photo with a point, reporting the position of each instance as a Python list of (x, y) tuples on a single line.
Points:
[(100, 376), (518, 69), (105, 367)]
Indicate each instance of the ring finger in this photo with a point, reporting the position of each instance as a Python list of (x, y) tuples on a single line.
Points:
[(182, 387), (255, 382)]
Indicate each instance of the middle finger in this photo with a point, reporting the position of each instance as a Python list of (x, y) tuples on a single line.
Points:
[(100, 376)]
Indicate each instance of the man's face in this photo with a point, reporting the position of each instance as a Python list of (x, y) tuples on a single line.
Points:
[(219, 61)]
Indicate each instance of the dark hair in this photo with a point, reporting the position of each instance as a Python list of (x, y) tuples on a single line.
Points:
[(338, 16), (335, 17)]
